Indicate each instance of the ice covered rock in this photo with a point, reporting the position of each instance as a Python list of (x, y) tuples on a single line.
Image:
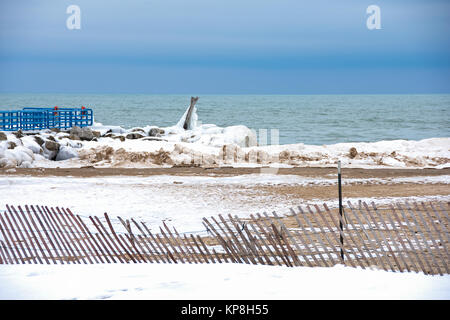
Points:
[(3, 136), (66, 152)]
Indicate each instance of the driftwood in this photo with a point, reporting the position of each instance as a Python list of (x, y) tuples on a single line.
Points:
[(189, 114)]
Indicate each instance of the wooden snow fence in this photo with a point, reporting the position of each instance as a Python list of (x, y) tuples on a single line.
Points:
[(407, 237)]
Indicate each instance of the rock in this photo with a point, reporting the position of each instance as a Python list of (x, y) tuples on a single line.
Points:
[(121, 138), (18, 134), (11, 145), (96, 134), (3, 136), (138, 130), (73, 137), (51, 138), (57, 130), (153, 139), (155, 132), (109, 135), (84, 134), (134, 136), (353, 153), (39, 140), (52, 146)]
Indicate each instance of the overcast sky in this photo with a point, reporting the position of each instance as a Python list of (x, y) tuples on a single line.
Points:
[(218, 46)]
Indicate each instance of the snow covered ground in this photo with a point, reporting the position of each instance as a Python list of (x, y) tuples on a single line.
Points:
[(214, 281)]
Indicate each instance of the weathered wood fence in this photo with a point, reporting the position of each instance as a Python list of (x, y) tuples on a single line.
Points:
[(409, 237)]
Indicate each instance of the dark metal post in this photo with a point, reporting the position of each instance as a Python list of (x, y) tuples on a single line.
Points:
[(340, 210)]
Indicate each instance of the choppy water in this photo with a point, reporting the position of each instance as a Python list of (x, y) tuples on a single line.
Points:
[(311, 119)]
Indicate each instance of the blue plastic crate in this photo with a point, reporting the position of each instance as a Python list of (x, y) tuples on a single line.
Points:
[(45, 118)]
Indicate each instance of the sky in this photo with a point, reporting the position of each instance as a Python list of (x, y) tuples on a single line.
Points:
[(225, 47)]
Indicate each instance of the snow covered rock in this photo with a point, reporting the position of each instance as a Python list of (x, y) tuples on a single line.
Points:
[(66, 152)]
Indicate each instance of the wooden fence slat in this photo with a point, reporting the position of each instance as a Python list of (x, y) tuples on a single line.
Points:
[(423, 235), (317, 235), (84, 237), (97, 245), (7, 237), (261, 235), (5, 252), (30, 239), (277, 254), (445, 256), (398, 236), (322, 230), (375, 254), (113, 232), (175, 241), (228, 242), (47, 235), (77, 239), (205, 258), (206, 249), (186, 247), (105, 247), (166, 248), (412, 231), (378, 242), (95, 254), (146, 240), (152, 253), (441, 222), (390, 233), (166, 238), (383, 238), (166, 254), (322, 217), (257, 247), (301, 226), (62, 232), (354, 247), (40, 237), (71, 238), (3, 259), (222, 242), (18, 240), (105, 237), (243, 253), (421, 266), (132, 242), (250, 250)]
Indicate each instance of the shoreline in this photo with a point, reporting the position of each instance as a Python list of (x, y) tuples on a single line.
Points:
[(91, 171)]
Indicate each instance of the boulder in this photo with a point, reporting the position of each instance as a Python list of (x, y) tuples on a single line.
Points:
[(84, 134), (3, 136), (138, 130), (352, 153), (155, 132), (52, 145), (57, 130), (11, 145), (18, 134), (134, 135), (39, 140), (121, 138)]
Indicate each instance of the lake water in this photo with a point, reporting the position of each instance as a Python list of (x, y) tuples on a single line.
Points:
[(309, 119)]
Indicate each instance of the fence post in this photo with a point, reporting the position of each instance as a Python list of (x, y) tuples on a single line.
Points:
[(340, 209)]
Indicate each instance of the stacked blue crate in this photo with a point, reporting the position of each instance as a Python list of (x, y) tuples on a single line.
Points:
[(45, 118)]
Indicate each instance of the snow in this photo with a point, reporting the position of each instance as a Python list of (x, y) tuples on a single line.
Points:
[(214, 281)]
